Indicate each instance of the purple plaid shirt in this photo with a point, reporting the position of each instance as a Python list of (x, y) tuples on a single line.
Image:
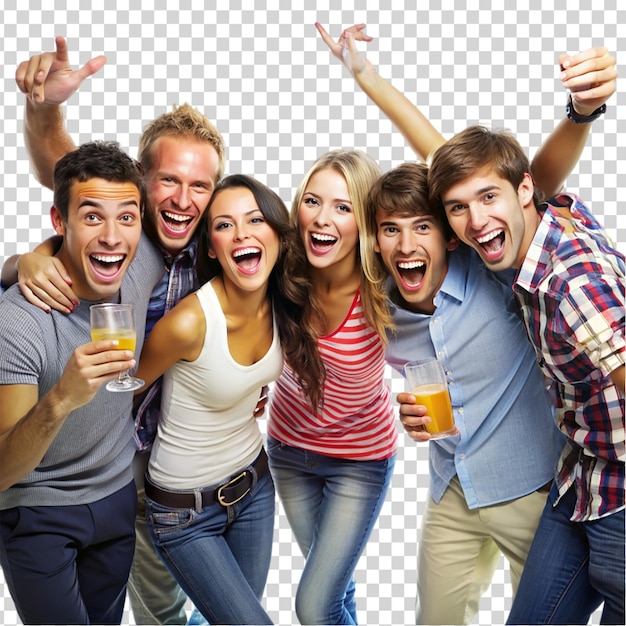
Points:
[(570, 289), (179, 280)]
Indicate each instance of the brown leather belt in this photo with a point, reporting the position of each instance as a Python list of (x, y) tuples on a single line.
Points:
[(233, 490)]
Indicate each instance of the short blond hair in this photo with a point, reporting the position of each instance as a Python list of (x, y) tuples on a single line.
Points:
[(186, 122)]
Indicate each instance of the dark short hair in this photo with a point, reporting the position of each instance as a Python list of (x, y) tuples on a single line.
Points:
[(472, 149), (96, 159), (404, 191)]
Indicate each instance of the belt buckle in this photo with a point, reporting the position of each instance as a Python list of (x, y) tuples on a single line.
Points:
[(232, 481)]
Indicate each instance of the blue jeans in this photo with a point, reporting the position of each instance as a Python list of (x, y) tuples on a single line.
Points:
[(221, 555), (70, 564), (332, 506), (572, 568)]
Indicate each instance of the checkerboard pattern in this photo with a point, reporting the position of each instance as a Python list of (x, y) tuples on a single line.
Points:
[(280, 99)]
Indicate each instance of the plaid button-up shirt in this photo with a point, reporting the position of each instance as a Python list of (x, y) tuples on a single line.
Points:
[(570, 289), (179, 280)]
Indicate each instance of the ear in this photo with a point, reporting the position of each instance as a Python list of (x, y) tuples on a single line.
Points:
[(453, 244), (211, 254), (57, 221), (526, 190)]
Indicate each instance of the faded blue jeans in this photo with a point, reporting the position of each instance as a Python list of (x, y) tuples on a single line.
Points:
[(221, 555), (572, 567), (332, 506)]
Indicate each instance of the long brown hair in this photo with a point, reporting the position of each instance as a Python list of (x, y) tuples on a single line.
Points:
[(289, 284)]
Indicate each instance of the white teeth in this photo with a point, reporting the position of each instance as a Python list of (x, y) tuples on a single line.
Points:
[(489, 237), (177, 218), (411, 265), (320, 237), (244, 251), (108, 258)]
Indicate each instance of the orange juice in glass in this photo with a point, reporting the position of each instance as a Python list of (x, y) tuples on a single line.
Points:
[(427, 382), (116, 321)]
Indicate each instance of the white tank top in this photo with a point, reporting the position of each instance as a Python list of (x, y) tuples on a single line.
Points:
[(206, 430)]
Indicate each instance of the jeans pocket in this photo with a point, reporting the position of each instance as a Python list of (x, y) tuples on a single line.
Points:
[(165, 520)]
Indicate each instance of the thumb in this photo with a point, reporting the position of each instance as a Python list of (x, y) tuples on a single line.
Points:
[(91, 67)]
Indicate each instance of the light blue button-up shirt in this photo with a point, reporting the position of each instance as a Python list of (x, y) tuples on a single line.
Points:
[(509, 444)]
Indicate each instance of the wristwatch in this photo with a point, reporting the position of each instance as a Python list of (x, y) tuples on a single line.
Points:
[(583, 119)]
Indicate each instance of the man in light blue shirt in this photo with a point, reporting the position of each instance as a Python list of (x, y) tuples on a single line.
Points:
[(489, 482)]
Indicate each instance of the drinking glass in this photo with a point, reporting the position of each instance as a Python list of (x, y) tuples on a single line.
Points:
[(116, 321), (427, 382)]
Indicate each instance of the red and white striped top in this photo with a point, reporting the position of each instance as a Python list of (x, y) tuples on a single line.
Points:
[(355, 419)]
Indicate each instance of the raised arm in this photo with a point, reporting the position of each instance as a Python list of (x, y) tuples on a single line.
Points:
[(419, 133), (590, 77), (47, 80)]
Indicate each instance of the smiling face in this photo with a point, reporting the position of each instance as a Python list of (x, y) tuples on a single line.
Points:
[(100, 236), (241, 239), (326, 221), (179, 186), (415, 253), (489, 214)]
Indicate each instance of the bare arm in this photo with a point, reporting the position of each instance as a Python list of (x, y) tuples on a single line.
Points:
[(420, 134), (28, 426), (178, 335), (590, 76), (47, 80), (618, 379)]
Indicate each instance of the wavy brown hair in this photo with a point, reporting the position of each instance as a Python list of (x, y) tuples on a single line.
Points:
[(289, 286)]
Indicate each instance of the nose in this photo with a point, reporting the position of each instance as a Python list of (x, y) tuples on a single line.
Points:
[(406, 243), (241, 232), (477, 217), (183, 197), (110, 234), (322, 218)]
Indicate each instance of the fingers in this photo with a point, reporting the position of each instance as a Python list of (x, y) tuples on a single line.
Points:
[(31, 75), (588, 69), (61, 47)]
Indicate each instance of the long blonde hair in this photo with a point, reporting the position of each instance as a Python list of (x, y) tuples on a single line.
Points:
[(360, 172)]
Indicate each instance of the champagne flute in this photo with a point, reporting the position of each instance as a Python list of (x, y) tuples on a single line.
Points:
[(115, 321)]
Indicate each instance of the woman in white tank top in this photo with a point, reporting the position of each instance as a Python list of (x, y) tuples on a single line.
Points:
[(210, 496)]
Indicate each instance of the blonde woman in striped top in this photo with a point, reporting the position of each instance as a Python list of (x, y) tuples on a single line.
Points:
[(332, 463)]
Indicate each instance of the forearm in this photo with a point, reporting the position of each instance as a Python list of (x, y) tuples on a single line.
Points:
[(558, 155), (46, 139), (419, 133), (23, 446)]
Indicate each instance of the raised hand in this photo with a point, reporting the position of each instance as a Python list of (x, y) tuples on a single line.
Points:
[(48, 78), (590, 76), (345, 47)]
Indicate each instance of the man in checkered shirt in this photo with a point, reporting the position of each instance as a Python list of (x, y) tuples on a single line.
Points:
[(570, 291)]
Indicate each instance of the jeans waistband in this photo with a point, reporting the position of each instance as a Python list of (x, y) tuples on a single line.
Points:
[(228, 493)]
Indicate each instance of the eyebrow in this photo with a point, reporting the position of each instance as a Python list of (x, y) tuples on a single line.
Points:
[(229, 216), (478, 192), (98, 205), (312, 193)]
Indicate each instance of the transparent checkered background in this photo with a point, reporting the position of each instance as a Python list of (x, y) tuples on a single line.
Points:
[(280, 99)]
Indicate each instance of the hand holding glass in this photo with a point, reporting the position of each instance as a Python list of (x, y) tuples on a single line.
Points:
[(115, 321), (427, 382)]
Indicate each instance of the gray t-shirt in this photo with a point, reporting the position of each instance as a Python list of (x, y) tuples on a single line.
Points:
[(90, 458)]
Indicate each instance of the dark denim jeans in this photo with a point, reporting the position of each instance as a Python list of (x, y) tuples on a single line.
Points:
[(572, 568)]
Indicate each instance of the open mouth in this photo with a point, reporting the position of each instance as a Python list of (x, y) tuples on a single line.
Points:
[(492, 243), (322, 243), (247, 259), (411, 273), (107, 265), (175, 223)]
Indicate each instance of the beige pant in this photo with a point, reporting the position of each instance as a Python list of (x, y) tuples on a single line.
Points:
[(460, 548), (154, 595)]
